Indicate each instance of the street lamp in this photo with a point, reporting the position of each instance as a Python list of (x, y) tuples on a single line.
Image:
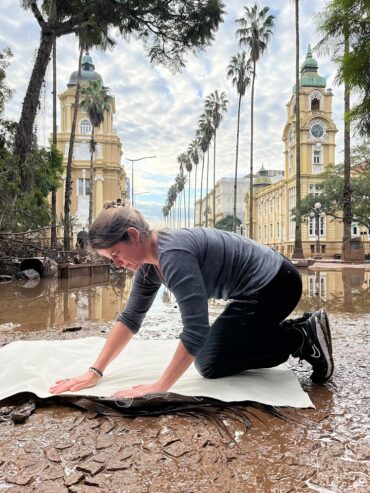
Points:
[(317, 213), (132, 173), (240, 230)]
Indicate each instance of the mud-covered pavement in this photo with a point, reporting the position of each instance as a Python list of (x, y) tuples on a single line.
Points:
[(327, 449)]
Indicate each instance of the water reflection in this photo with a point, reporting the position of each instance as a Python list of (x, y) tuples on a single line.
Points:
[(346, 290), (62, 302)]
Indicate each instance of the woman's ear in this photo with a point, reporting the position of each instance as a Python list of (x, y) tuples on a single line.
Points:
[(133, 234)]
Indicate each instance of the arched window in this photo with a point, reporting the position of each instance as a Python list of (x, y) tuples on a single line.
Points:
[(315, 104), (85, 127)]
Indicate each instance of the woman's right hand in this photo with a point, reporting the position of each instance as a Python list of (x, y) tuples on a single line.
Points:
[(85, 381)]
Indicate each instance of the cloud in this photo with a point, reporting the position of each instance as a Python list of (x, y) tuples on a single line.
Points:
[(157, 112)]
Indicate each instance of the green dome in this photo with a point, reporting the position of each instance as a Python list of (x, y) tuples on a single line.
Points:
[(87, 72), (309, 73)]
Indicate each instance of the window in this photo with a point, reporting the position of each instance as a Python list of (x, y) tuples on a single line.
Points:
[(354, 228), (291, 205), (314, 189), (291, 163), (270, 206), (315, 104), (85, 127), (312, 226), (265, 231), (83, 186), (276, 202), (271, 231), (277, 230), (316, 157), (260, 232)]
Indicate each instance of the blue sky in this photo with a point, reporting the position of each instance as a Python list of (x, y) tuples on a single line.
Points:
[(157, 111)]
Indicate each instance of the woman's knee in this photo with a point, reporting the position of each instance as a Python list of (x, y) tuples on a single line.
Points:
[(206, 371)]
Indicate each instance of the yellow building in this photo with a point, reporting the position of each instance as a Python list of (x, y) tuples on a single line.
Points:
[(272, 218), (109, 182)]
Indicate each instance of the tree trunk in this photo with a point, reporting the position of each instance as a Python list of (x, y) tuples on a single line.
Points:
[(201, 191), (23, 136), (184, 192), (207, 188), (54, 193), (189, 202), (195, 193), (251, 158), (91, 202), (347, 192), (298, 250), (68, 185), (236, 163), (214, 179)]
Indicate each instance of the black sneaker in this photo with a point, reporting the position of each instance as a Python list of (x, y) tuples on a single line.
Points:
[(316, 346)]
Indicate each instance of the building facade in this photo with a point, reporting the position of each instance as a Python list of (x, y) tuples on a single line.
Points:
[(224, 201), (273, 204), (109, 182)]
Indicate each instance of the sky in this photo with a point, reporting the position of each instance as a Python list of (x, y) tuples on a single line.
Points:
[(157, 111)]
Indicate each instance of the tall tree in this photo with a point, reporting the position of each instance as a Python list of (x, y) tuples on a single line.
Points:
[(95, 101), (205, 134), (193, 153), (169, 29), (254, 33), (216, 105), (239, 71), (336, 24), (189, 168), (298, 250)]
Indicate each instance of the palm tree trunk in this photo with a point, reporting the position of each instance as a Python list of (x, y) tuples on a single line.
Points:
[(214, 179), (298, 250), (236, 163), (189, 202), (68, 187), (54, 193), (207, 197), (23, 136), (347, 192), (91, 202), (184, 192), (195, 193), (201, 192), (251, 157)]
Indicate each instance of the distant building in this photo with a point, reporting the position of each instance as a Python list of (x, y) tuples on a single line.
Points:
[(109, 183), (224, 201)]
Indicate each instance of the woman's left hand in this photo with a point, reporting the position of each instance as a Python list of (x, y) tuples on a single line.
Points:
[(139, 390)]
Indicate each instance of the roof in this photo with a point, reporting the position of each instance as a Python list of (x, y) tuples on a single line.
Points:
[(87, 72)]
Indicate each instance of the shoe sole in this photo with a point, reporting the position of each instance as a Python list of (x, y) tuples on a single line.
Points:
[(324, 337)]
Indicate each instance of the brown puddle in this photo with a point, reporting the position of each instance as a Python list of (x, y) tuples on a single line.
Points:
[(60, 449)]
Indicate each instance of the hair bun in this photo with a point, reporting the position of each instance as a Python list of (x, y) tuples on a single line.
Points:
[(108, 204)]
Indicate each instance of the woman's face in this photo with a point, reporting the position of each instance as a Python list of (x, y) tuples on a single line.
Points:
[(128, 254)]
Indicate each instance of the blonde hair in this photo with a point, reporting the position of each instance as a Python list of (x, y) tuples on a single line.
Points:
[(111, 225)]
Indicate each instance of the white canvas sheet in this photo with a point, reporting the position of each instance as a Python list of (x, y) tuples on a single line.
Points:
[(33, 366)]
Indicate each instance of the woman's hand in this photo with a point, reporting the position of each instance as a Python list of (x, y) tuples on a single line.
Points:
[(85, 381), (139, 390)]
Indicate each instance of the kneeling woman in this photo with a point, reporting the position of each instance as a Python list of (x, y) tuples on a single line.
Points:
[(262, 288)]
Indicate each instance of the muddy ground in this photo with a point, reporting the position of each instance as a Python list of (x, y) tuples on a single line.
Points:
[(60, 449)]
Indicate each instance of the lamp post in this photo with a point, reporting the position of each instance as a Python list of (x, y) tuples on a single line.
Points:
[(317, 213), (240, 230), (132, 173)]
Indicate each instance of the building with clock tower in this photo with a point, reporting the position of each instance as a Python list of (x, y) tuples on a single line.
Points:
[(110, 180), (273, 204)]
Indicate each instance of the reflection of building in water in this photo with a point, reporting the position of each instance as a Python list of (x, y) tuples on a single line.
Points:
[(346, 289)]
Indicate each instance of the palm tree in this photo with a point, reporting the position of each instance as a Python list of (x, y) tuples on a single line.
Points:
[(216, 105), (189, 168), (180, 181), (204, 133), (53, 237), (181, 159), (96, 103), (193, 153), (298, 250), (255, 32), (239, 71)]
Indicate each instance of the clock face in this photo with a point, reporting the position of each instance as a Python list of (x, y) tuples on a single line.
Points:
[(317, 130)]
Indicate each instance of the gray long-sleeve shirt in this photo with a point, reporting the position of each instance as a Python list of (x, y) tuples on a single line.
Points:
[(197, 264)]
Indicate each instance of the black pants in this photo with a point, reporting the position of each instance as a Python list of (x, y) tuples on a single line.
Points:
[(248, 333)]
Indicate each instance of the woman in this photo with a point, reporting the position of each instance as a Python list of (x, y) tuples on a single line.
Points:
[(262, 288)]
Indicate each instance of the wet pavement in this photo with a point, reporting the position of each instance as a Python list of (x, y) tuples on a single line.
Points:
[(60, 449)]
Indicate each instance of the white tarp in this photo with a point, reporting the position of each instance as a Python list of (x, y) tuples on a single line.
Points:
[(34, 366)]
